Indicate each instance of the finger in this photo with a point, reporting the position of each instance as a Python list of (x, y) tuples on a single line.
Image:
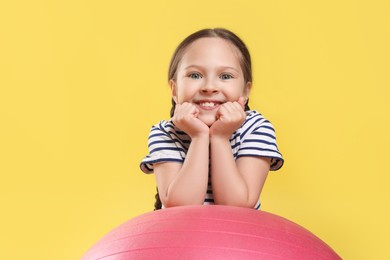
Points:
[(218, 114), (183, 110), (196, 112), (242, 102), (221, 111), (241, 110), (229, 111), (238, 111), (186, 106)]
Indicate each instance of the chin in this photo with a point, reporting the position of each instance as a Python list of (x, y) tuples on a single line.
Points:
[(207, 119)]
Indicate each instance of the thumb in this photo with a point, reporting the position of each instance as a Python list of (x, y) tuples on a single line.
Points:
[(195, 112), (242, 102)]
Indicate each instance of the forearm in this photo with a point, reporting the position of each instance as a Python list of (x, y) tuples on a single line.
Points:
[(190, 184), (229, 186)]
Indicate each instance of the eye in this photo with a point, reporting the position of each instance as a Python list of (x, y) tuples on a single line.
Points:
[(226, 76), (195, 75)]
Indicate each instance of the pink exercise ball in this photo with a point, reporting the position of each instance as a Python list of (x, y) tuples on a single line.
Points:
[(209, 232)]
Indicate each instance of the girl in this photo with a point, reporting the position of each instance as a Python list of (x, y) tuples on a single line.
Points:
[(214, 149)]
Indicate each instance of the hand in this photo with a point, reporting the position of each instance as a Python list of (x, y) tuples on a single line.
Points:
[(230, 117), (186, 119)]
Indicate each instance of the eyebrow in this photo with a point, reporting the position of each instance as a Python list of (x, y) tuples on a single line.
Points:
[(221, 67)]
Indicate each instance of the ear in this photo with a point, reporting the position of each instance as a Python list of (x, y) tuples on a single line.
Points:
[(247, 89), (172, 84)]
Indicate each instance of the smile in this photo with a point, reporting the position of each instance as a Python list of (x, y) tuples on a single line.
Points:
[(208, 104)]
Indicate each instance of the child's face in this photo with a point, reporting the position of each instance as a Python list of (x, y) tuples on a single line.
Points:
[(209, 74)]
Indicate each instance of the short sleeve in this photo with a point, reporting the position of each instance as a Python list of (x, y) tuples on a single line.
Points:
[(258, 139), (164, 146)]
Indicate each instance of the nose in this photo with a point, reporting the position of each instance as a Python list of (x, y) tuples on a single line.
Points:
[(209, 87)]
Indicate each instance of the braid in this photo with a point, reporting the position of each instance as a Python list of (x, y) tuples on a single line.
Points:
[(172, 112), (246, 108), (157, 203)]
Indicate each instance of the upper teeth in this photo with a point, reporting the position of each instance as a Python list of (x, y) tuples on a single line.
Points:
[(208, 104)]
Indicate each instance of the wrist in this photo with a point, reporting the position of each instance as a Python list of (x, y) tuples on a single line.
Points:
[(221, 131), (200, 136), (215, 134), (219, 138), (195, 131)]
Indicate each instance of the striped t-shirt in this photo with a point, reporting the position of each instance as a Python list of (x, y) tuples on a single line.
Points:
[(255, 137)]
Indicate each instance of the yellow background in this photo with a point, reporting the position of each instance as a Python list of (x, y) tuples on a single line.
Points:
[(83, 81)]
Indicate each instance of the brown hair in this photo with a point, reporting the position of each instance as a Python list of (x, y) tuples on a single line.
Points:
[(245, 62)]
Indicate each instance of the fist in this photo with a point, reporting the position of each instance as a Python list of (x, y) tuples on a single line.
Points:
[(186, 119), (230, 117)]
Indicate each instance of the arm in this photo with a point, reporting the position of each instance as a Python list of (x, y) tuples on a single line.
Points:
[(186, 184), (238, 182)]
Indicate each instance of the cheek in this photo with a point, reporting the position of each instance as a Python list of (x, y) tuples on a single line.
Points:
[(187, 89), (235, 92)]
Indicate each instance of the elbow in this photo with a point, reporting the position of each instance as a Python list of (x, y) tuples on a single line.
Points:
[(243, 202), (170, 205), (238, 204), (175, 201), (251, 203), (174, 197)]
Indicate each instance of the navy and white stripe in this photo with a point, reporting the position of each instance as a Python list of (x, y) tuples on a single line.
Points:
[(255, 137)]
